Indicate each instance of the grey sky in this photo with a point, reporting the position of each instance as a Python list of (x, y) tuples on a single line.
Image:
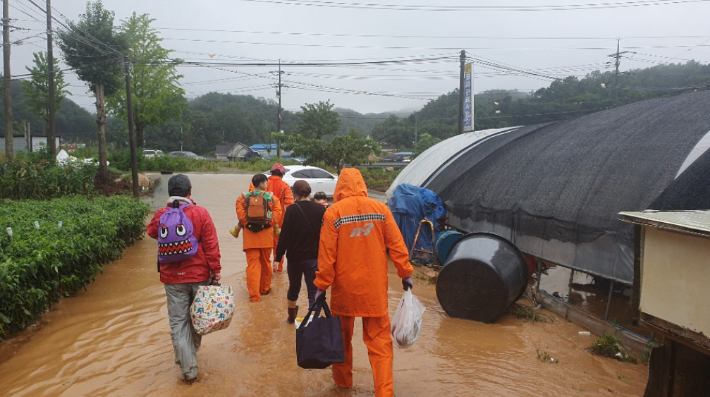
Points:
[(581, 41)]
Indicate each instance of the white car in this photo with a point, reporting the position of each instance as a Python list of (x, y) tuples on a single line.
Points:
[(319, 179)]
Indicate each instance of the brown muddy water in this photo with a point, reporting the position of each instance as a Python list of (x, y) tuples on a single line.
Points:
[(114, 340)]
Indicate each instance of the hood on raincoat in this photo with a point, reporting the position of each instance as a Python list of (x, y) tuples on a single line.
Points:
[(350, 183)]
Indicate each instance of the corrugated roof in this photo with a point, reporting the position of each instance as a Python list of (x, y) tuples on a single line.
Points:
[(692, 222)]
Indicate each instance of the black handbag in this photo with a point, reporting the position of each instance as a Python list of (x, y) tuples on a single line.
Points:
[(319, 343)]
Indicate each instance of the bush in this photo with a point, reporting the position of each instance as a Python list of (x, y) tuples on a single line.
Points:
[(38, 267), (36, 176), (378, 178), (121, 159), (609, 345)]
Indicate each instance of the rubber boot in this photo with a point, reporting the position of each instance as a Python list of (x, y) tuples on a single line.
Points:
[(292, 313), (235, 231)]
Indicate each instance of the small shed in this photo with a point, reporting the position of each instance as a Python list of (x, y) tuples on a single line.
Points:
[(672, 270)]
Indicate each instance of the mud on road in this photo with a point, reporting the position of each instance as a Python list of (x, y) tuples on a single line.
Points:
[(114, 340)]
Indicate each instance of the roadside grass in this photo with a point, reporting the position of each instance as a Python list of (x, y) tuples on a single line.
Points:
[(530, 314), (609, 345)]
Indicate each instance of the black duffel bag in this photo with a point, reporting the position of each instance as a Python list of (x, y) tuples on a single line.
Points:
[(319, 343)]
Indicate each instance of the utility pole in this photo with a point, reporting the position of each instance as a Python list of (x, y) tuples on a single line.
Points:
[(131, 130), (462, 58), (416, 132), (50, 89), (617, 61), (9, 149), (278, 114), (28, 136)]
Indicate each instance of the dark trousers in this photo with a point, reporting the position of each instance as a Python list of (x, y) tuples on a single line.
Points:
[(307, 269)]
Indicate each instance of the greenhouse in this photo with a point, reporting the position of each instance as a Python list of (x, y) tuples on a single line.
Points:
[(555, 190)]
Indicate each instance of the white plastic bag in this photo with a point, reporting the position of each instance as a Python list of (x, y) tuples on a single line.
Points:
[(407, 321), (212, 309)]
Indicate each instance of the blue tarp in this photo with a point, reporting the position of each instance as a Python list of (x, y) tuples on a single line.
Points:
[(409, 205)]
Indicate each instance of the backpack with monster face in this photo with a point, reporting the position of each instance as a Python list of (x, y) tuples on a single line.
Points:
[(176, 238)]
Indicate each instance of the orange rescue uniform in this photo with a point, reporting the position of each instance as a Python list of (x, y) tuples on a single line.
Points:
[(282, 191), (352, 258), (258, 247)]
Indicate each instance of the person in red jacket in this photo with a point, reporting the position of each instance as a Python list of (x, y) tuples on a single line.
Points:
[(182, 279), (352, 259)]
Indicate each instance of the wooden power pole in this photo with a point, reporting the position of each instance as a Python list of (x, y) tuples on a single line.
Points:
[(9, 149), (51, 140), (131, 130)]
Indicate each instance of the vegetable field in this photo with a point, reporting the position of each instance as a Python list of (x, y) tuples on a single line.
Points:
[(52, 249)]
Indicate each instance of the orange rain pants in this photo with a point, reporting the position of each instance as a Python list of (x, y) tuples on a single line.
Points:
[(376, 334), (258, 272)]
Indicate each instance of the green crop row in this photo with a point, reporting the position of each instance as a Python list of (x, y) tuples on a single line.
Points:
[(38, 266), (38, 177)]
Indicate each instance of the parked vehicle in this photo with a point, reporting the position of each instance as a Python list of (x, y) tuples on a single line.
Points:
[(186, 154), (319, 179), (149, 153), (396, 158)]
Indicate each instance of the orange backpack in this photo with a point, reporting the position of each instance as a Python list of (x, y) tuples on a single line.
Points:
[(257, 208)]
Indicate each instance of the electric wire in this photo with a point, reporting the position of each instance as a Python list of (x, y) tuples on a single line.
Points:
[(476, 8)]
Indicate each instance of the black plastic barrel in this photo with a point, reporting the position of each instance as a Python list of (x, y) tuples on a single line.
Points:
[(444, 243), (483, 275)]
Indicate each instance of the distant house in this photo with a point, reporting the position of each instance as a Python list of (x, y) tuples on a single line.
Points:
[(235, 152), (221, 151), (21, 143), (268, 150)]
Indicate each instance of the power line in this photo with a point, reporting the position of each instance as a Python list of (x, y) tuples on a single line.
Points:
[(476, 8), (331, 35)]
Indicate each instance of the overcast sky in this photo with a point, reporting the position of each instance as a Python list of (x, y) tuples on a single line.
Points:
[(573, 40)]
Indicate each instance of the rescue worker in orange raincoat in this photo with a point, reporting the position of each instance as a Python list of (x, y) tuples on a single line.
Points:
[(283, 192), (352, 258), (258, 244)]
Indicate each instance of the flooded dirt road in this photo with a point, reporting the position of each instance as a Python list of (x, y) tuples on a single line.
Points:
[(114, 340)]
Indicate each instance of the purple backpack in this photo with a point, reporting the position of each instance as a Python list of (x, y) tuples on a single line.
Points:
[(176, 238)]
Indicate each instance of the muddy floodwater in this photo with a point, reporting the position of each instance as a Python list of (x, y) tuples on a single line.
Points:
[(114, 340)]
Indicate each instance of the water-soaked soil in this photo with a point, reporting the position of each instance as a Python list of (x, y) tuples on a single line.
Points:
[(114, 340)]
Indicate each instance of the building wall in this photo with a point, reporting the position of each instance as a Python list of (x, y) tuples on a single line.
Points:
[(20, 143), (674, 278)]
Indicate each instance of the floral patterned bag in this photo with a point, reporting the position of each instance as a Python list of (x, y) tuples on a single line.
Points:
[(212, 308)]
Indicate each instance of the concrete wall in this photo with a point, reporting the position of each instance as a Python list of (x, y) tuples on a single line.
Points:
[(20, 143)]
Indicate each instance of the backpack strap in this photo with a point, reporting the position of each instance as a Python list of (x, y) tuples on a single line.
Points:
[(304, 215)]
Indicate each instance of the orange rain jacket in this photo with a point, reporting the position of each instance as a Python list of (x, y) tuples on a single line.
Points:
[(352, 256), (280, 189), (264, 238)]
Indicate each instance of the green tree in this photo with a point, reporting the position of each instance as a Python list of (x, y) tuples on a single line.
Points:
[(318, 120), (342, 150), (396, 131), (36, 90), (155, 92), (95, 51), (425, 142)]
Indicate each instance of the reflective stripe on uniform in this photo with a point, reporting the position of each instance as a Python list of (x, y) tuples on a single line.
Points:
[(358, 218)]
